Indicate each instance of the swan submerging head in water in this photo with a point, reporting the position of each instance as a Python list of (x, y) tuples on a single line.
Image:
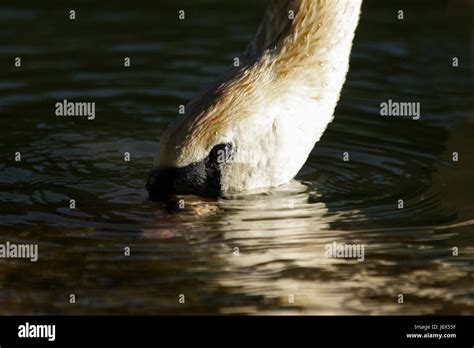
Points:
[(256, 126)]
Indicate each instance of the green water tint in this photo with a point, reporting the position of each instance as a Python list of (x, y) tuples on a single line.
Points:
[(280, 235)]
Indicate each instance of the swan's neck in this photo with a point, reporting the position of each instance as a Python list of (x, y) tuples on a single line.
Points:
[(273, 107), (312, 38)]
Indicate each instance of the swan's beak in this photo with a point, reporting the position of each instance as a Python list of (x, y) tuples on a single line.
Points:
[(160, 184), (201, 178)]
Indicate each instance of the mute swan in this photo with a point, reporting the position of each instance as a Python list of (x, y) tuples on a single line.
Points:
[(256, 125)]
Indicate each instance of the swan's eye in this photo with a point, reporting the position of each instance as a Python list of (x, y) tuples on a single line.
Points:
[(220, 154)]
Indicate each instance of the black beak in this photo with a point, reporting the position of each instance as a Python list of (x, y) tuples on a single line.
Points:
[(160, 184), (195, 179)]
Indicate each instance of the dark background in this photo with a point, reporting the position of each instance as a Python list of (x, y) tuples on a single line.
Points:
[(409, 251)]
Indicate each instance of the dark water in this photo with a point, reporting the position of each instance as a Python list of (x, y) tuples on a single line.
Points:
[(281, 234)]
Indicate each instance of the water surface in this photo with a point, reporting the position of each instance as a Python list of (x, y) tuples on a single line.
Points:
[(280, 234)]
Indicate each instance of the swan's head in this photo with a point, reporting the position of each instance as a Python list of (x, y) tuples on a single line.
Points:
[(202, 176), (247, 133), (221, 144), (255, 127)]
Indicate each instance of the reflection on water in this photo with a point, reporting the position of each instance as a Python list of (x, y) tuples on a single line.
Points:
[(245, 253)]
